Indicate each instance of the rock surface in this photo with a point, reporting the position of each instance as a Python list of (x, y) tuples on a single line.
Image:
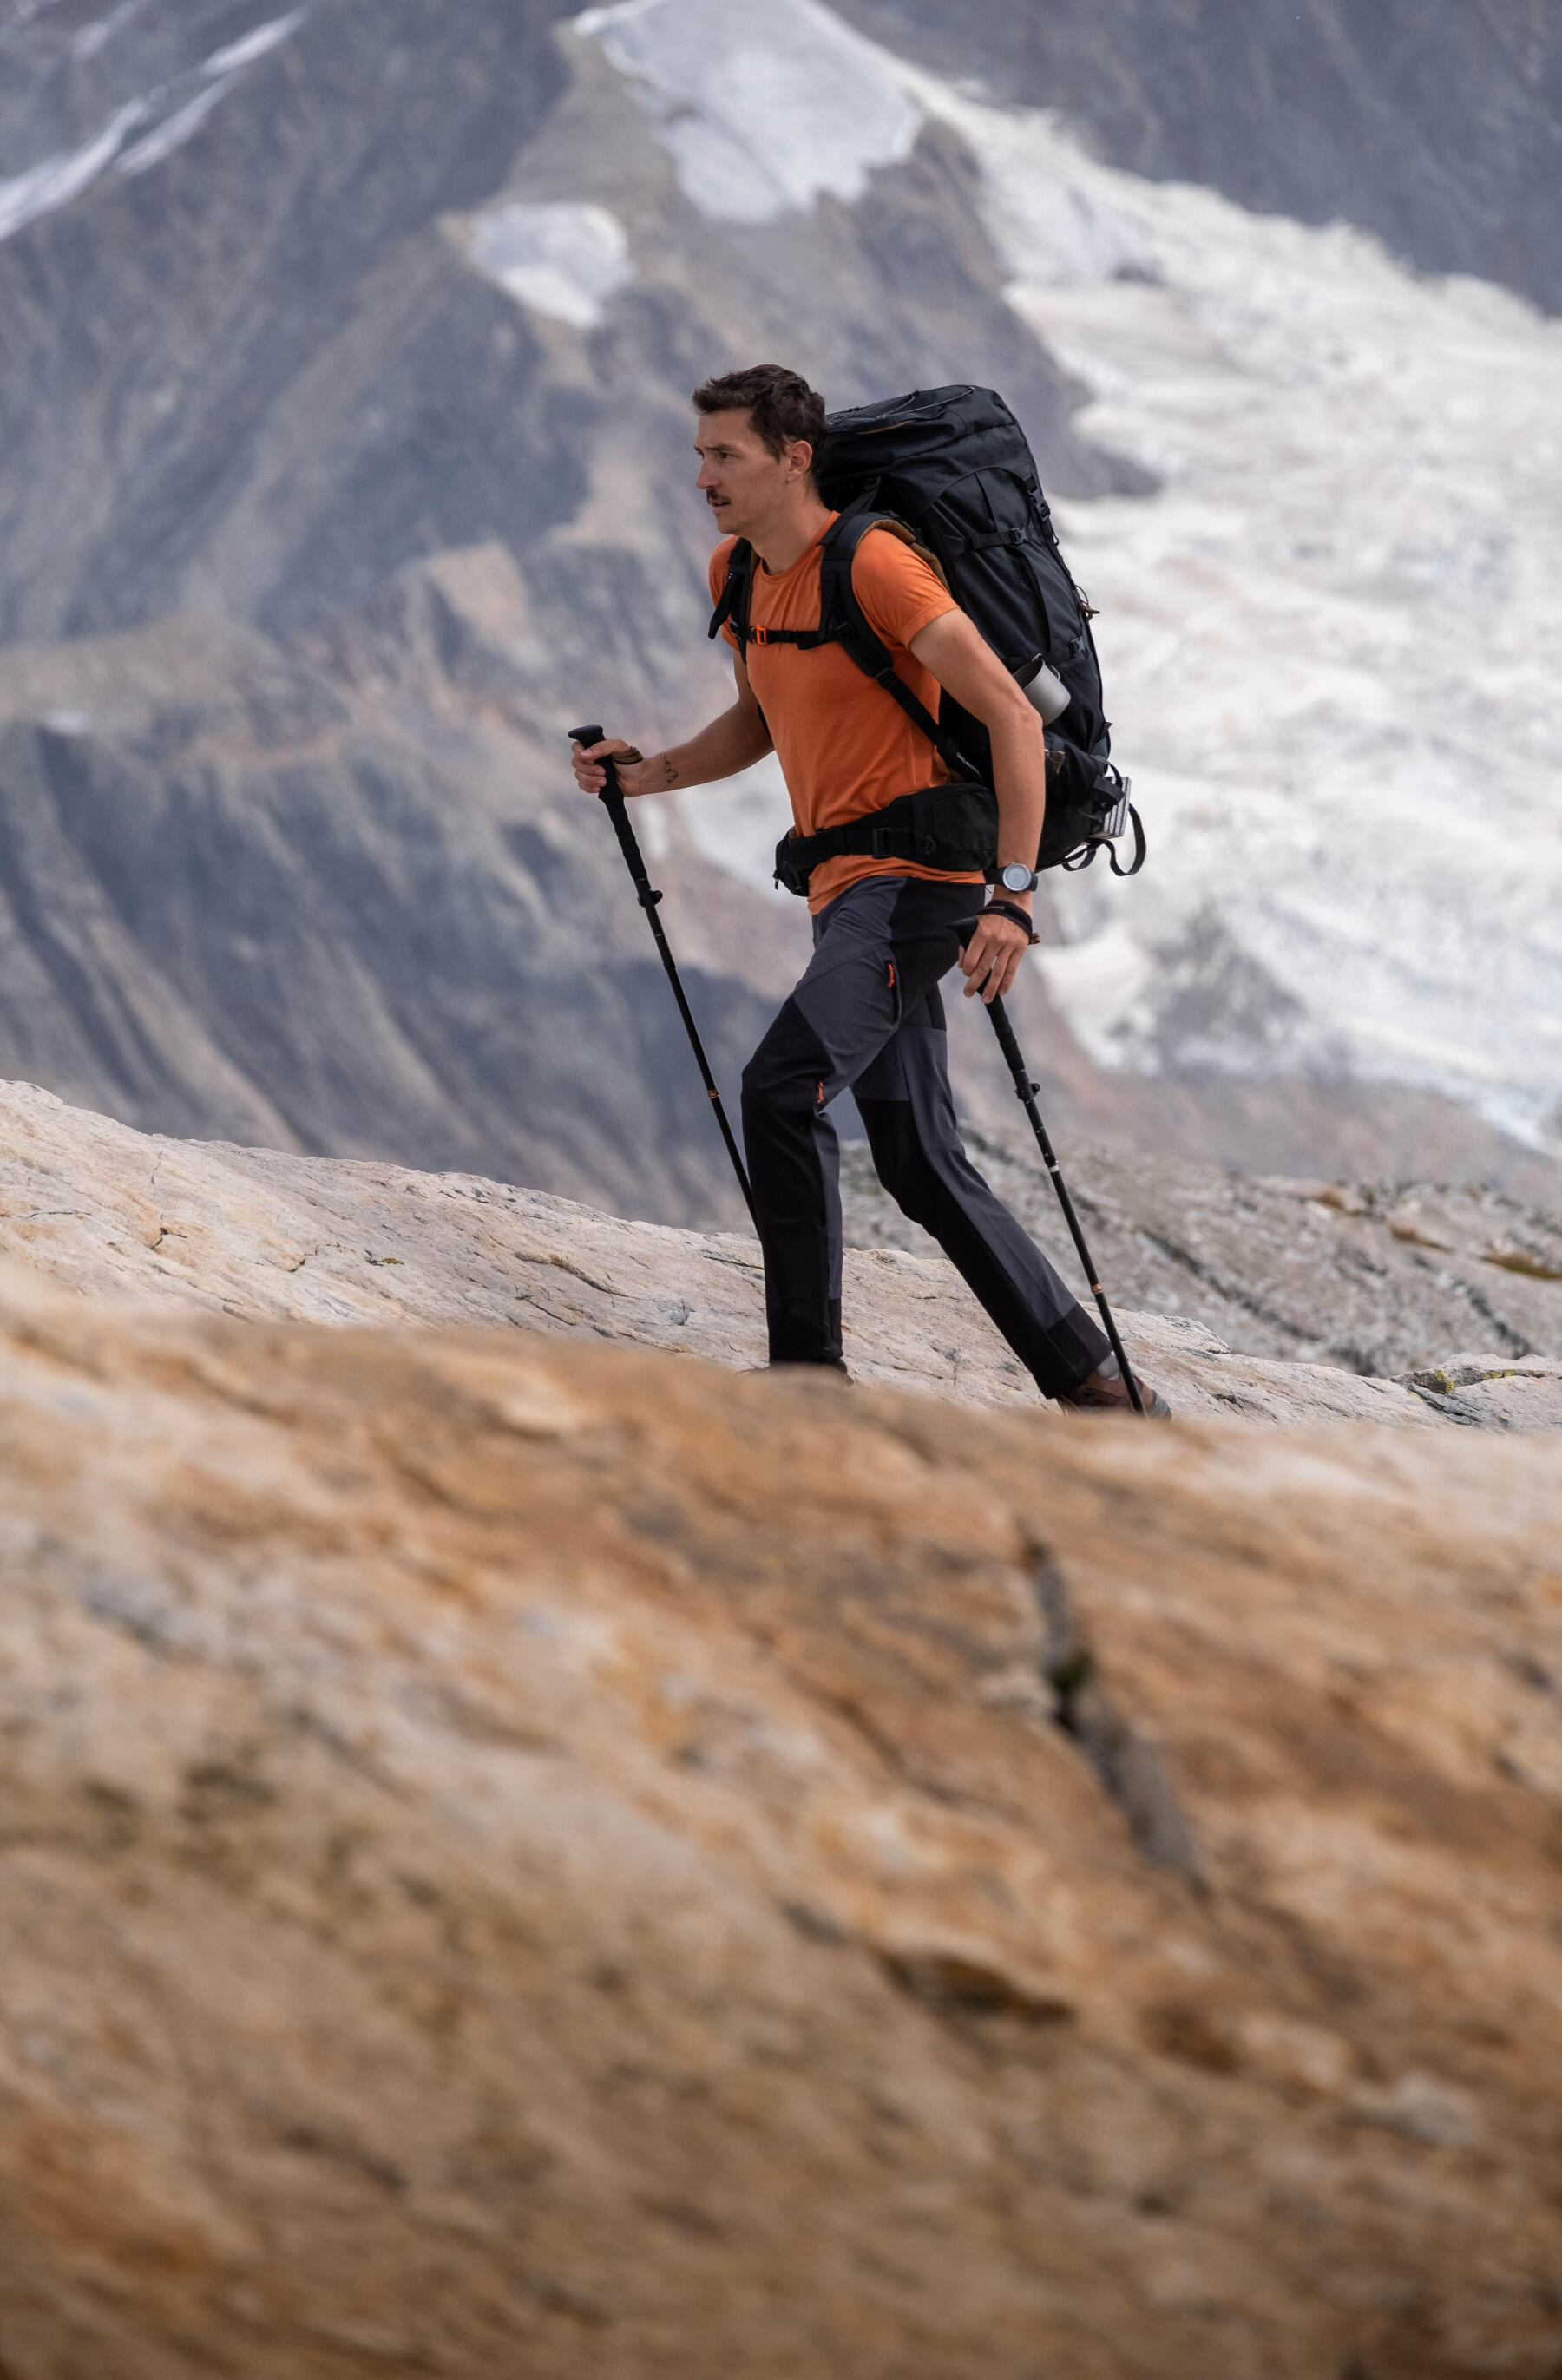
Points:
[(1378, 1277), (115, 1214), (527, 1857)]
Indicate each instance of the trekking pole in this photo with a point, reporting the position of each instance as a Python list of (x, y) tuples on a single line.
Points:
[(1025, 1091), (612, 798)]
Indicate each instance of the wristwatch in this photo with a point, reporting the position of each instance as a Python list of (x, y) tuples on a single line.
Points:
[(1015, 878)]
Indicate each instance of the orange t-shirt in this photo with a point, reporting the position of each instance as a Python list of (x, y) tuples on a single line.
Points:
[(845, 745)]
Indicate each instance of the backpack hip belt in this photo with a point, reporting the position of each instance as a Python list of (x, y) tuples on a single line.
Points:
[(951, 828)]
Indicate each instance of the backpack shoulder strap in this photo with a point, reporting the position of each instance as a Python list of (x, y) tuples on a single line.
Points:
[(842, 620), (735, 596)]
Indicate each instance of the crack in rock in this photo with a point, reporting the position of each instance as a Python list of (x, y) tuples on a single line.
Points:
[(1224, 1288), (1514, 1340), (1132, 1770)]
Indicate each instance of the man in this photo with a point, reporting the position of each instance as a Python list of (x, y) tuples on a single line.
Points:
[(867, 1011)]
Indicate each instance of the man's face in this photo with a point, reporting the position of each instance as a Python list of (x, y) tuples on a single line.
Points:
[(742, 480)]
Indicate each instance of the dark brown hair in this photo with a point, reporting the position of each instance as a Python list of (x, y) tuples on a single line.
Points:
[(779, 403)]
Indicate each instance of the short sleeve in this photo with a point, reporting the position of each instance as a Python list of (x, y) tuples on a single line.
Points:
[(899, 593), (719, 559)]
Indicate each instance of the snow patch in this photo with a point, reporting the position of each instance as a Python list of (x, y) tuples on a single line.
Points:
[(560, 257), (254, 45), (94, 37), (1107, 969), (43, 189), (764, 105), (736, 825), (59, 179), (175, 130)]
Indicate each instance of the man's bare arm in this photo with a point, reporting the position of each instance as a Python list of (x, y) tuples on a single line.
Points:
[(966, 666), (733, 742)]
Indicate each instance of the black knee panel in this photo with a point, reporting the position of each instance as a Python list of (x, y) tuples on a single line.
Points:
[(899, 1159), (790, 1069)]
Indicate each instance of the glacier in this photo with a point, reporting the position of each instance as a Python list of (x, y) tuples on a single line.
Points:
[(1331, 640), (762, 109), (52, 184), (254, 45)]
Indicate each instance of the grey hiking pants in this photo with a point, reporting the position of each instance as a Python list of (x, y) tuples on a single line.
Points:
[(867, 1013)]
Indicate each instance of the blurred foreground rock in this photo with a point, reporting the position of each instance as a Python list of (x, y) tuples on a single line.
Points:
[(537, 1858)]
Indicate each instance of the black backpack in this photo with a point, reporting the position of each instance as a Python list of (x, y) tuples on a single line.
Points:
[(951, 467)]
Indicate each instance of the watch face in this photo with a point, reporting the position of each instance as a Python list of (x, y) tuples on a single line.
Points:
[(1015, 878)]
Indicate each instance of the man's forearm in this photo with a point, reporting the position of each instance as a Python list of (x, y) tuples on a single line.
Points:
[(1019, 780), (733, 742)]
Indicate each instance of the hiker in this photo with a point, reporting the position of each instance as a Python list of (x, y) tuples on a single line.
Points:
[(867, 1013)]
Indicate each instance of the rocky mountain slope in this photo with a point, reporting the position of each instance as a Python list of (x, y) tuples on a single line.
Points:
[(1380, 1278), (1335, 110), (344, 359), (297, 861), (286, 909), (273, 1237), (534, 1855)]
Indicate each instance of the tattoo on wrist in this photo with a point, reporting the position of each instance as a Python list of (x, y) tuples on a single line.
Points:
[(669, 774)]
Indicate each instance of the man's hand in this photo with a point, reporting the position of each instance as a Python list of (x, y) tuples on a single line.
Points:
[(636, 774), (990, 961)]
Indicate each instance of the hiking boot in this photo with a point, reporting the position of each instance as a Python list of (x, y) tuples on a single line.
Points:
[(1106, 1391)]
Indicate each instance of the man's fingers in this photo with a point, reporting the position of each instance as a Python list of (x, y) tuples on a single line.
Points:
[(978, 974), (588, 775), (990, 961)]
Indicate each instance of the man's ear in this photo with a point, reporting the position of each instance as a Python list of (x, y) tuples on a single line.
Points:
[(800, 459)]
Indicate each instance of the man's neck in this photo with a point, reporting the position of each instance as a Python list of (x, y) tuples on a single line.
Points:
[(786, 537)]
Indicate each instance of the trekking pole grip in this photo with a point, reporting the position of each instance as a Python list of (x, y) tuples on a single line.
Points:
[(586, 737), (612, 799)]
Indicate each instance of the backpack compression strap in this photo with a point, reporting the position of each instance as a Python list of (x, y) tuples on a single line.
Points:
[(733, 603), (1087, 850), (841, 621)]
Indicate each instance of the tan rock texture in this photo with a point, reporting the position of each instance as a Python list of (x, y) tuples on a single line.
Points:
[(530, 1858), (116, 1213)]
